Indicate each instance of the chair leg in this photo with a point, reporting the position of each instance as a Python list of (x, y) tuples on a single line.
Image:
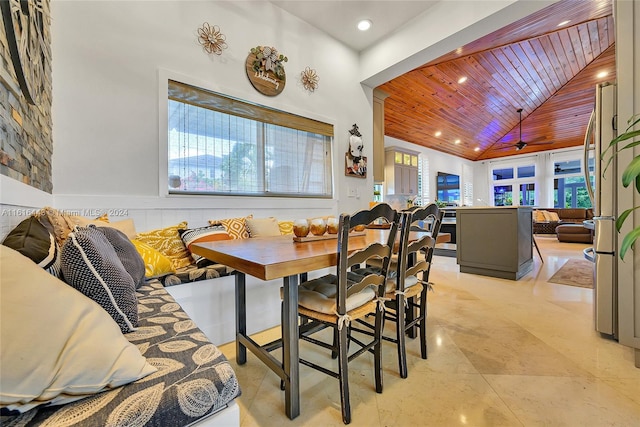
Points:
[(343, 375), (334, 352), (400, 335), (410, 315), (377, 349), (423, 323)]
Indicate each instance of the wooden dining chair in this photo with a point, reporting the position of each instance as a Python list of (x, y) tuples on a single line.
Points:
[(408, 284), (336, 300)]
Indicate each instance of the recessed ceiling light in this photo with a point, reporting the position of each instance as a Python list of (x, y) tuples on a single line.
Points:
[(476, 149), (438, 133), (364, 25), (563, 23), (462, 79), (602, 74), (457, 141)]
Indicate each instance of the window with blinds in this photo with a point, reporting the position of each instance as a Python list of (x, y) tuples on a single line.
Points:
[(223, 145)]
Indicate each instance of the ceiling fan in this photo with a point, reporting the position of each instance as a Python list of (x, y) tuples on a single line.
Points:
[(521, 144)]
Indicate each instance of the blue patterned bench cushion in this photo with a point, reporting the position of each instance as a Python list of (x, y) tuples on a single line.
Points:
[(193, 381)]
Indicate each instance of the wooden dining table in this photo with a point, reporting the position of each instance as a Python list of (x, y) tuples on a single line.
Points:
[(279, 257)]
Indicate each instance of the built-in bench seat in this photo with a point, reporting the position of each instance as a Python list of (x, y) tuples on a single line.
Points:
[(194, 379), (88, 341)]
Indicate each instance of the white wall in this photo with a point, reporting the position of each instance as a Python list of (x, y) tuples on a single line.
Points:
[(18, 201), (107, 59)]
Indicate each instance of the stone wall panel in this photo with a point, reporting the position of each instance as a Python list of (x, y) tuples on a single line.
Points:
[(26, 144)]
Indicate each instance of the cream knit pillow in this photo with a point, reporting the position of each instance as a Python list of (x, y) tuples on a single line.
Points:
[(58, 345)]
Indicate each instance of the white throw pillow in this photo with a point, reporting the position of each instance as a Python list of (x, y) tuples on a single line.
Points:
[(261, 227), (58, 345)]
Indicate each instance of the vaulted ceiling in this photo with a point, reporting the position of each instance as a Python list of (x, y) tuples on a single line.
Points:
[(548, 71)]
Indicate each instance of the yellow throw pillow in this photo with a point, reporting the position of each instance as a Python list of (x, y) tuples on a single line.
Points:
[(168, 242), (538, 216), (262, 227), (236, 227), (286, 227), (553, 216), (155, 264)]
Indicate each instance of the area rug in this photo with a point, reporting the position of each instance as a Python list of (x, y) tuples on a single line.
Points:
[(575, 272)]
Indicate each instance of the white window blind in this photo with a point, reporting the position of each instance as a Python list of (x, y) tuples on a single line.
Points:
[(423, 181), (222, 145), (467, 176)]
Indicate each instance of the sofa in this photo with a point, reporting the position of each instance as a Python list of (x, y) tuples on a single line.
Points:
[(565, 223), (88, 340)]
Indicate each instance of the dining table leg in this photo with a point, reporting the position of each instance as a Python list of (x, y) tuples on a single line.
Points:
[(290, 346), (241, 316)]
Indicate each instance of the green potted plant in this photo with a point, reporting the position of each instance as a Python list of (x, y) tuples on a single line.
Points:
[(630, 174)]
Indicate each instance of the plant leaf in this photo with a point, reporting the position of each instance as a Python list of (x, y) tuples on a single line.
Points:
[(622, 217), (631, 172), (622, 137), (615, 141), (628, 241), (633, 120)]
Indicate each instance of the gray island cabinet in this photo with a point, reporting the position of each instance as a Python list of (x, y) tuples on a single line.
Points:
[(495, 241)]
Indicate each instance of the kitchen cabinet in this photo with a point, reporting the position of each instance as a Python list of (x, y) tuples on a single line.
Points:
[(401, 172)]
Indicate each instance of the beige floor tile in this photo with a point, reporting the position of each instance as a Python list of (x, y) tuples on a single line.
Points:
[(443, 400), (501, 353), (565, 401), (628, 387)]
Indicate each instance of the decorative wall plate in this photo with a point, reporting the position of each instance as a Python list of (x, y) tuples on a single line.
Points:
[(265, 70)]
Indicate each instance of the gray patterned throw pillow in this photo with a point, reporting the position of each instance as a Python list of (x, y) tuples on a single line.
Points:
[(131, 259), (33, 240), (90, 264)]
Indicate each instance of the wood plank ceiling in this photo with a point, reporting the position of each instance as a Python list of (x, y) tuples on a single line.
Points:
[(549, 71)]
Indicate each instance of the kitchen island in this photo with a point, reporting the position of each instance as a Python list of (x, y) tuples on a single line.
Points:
[(495, 241)]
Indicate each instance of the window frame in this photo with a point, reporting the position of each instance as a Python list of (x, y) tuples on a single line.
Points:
[(573, 188), (164, 76), (516, 182)]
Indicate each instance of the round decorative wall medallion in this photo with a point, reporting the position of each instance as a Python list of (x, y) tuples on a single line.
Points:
[(24, 24), (265, 70)]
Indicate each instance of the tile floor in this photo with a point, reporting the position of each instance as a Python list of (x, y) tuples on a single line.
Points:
[(501, 353)]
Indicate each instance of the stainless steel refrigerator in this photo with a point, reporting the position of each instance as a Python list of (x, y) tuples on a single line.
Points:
[(601, 130)]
